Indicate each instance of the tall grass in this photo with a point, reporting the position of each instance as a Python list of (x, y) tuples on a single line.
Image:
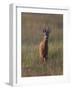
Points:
[(32, 36)]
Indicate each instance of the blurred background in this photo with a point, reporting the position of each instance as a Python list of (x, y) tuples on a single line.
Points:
[(32, 35)]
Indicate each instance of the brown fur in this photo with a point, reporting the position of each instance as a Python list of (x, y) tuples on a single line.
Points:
[(43, 50), (43, 47)]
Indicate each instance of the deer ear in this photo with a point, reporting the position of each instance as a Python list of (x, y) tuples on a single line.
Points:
[(43, 30)]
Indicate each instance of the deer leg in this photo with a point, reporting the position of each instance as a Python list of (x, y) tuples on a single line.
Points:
[(42, 59)]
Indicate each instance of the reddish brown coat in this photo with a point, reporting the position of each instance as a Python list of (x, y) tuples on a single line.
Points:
[(43, 50)]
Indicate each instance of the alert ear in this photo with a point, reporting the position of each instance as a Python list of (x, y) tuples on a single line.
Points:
[(44, 30)]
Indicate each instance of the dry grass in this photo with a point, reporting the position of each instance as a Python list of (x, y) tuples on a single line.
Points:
[(31, 37)]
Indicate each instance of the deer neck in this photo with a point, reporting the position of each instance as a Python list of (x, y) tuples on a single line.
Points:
[(46, 42)]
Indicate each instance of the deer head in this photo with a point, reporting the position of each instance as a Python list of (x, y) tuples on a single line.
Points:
[(46, 32)]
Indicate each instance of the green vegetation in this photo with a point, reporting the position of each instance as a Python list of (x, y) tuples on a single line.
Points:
[(32, 35)]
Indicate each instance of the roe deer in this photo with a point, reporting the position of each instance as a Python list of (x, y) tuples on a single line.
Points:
[(43, 47)]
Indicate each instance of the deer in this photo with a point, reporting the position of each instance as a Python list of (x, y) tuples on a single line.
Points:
[(43, 46)]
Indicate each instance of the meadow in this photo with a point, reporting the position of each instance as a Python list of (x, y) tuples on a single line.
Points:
[(32, 35)]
